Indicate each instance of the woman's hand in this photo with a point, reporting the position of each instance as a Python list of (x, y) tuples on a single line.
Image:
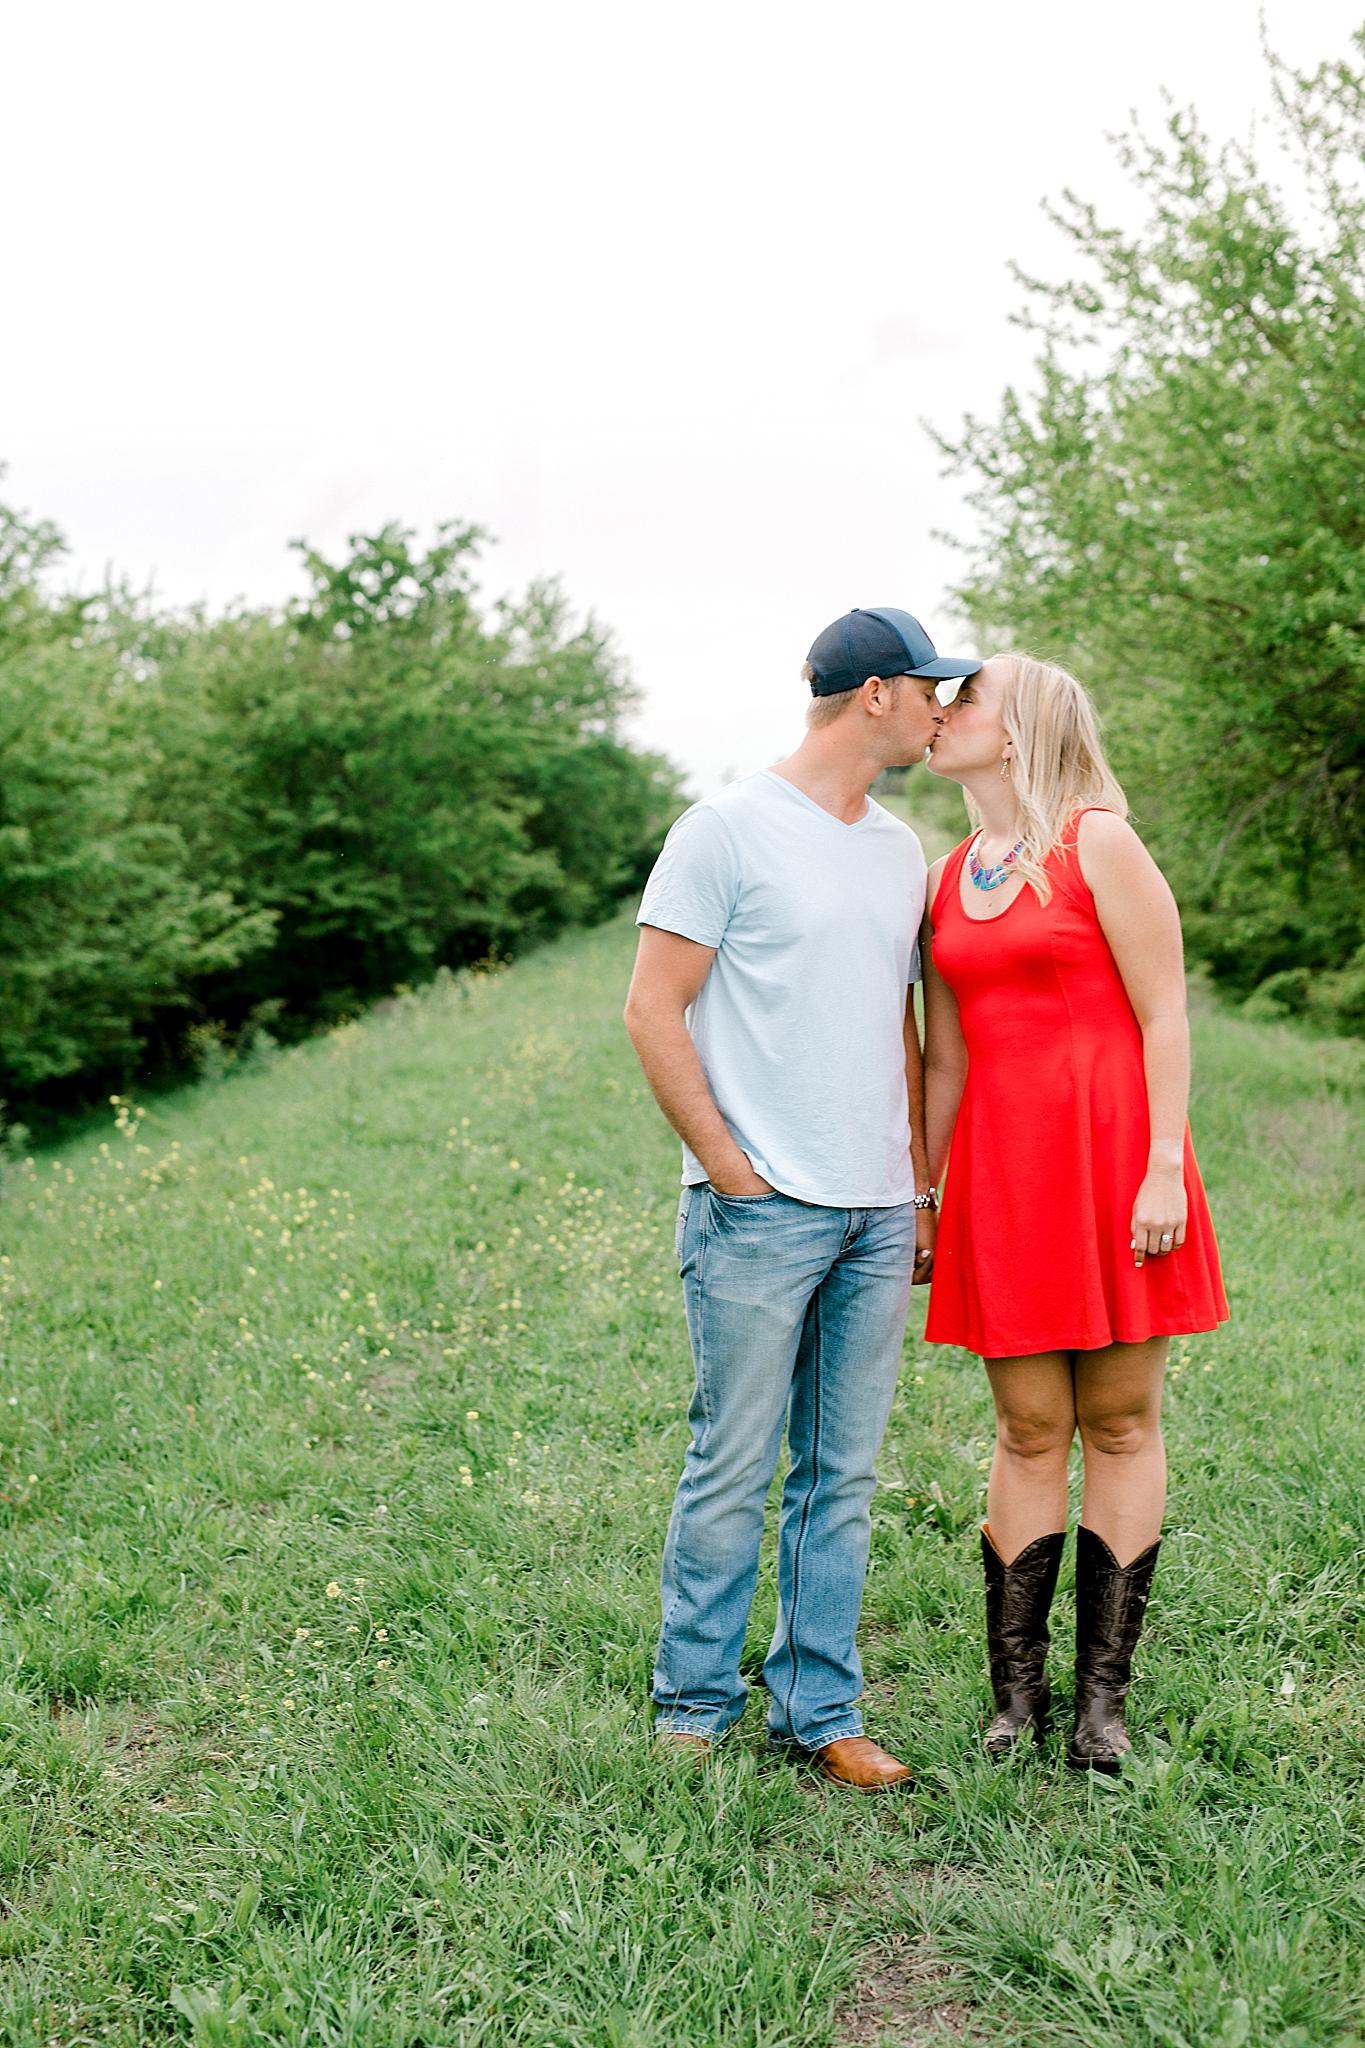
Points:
[(926, 1231), (1159, 1214)]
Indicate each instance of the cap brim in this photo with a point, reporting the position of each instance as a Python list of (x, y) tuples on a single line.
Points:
[(946, 668), (946, 691)]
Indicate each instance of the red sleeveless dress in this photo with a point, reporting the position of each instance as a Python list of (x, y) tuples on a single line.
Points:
[(1050, 1145)]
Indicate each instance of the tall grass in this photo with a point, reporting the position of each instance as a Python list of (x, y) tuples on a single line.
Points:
[(340, 1410)]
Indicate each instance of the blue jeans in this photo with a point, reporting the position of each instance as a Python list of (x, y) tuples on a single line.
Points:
[(797, 1317)]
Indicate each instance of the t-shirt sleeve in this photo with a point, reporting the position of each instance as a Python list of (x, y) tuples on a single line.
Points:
[(695, 881), (916, 967)]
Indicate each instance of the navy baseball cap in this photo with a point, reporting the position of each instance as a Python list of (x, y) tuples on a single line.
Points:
[(882, 642)]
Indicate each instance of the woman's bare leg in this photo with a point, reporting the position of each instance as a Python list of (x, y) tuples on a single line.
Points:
[(1035, 1420), (1118, 1407)]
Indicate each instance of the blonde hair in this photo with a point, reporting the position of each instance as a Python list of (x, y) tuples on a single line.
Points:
[(1057, 765)]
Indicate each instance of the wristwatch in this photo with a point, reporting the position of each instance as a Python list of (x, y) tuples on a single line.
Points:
[(928, 1200)]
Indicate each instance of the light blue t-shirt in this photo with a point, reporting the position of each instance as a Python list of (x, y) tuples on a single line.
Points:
[(799, 1022)]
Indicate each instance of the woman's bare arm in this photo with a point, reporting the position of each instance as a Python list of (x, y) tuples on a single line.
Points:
[(926, 1223), (945, 1051), (1138, 917)]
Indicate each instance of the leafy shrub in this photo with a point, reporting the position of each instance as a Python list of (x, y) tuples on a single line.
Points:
[(102, 922), (213, 831), (1286, 994)]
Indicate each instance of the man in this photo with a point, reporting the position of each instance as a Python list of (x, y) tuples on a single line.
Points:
[(772, 1010)]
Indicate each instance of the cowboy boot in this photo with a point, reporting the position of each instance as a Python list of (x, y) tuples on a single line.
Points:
[(1018, 1597), (1110, 1604), (856, 1762)]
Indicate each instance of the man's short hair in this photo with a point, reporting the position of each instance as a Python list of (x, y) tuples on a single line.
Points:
[(823, 711)]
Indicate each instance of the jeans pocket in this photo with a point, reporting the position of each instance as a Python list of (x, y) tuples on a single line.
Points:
[(744, 1201)]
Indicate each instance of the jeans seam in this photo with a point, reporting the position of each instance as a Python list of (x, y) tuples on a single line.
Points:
[(700, 1361), (692, 1724), (703, 1220), (843, 1733), (798, 1545)]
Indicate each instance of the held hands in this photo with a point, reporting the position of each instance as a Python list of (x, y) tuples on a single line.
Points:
[(926, 1232), (1159, 1214)]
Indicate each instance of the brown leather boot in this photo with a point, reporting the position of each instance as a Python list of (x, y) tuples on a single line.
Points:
[(857, 1763), (1110, 1604), (1018, 1600), (683, 1743)]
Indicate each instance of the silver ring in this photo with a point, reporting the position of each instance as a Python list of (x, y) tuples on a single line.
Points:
[(1165, 1237)]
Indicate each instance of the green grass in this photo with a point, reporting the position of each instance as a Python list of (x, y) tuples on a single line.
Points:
[(341, 1405)]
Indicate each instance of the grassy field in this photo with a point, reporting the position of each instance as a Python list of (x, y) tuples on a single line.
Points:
[(341, 1404)]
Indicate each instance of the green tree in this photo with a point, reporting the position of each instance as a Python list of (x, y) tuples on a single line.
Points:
[(1176, 512), (399, 782), (212, 818), (102, 925)]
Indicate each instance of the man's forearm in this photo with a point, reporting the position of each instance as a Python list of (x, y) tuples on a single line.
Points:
[(676, 1077)]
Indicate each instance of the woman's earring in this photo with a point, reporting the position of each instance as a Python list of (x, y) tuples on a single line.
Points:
[(1005, 769)]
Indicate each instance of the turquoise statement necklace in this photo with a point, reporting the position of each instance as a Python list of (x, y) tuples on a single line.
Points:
[(991, 878)]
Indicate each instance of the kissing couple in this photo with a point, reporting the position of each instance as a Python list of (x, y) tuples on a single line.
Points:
[(783, 928)]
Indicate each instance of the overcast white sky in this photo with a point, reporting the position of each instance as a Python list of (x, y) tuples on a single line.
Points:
[(657, 296)]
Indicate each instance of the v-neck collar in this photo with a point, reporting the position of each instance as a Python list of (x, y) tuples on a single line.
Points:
[(839, 824)]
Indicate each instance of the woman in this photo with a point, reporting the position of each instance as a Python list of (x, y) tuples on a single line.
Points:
[(1074, 1238)]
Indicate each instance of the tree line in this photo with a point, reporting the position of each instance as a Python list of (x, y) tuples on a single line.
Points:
[(219, 830), (1175, 511)]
